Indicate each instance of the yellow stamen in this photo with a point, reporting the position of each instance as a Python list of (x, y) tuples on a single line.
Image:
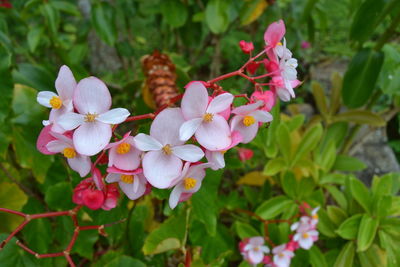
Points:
[(305, 235), (281, 255), (256, 249), (223, 152), (315, 216), (189, 183), (55, 102), (90, 117), (128, 179), (123, 148), (248, 120), (69, 152), (280, 43), (167, 150), (208, 117)]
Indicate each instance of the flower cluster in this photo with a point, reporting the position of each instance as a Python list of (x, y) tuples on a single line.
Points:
[(254, 251), (183, 141)]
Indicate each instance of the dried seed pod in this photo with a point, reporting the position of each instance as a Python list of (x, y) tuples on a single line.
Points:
[(161, 77)]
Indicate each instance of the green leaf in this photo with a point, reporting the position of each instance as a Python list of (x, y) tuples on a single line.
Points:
[(12, 255), (290, 185), (217, 17), (347, 163), (273, 207), (338, 196), (325, 226), (6, 84), (346, 256), (274, 166), (52, 16), (11, 197), (283, 139), (333, 178), (34, 36), (361, 76), (84, 244), (251, 10), (66, 7), (319, 97), (104, 23), (175, 13), (336, 92), (124, 260), (26, 110), (326, 157), (361, 117), (360, 193), (366, 232), (317, 259), (349, 228), (336, 214), (34, 76), (373, 257), (309, 141), (59, 196), (382, 185), (244, 230), (336, 131)]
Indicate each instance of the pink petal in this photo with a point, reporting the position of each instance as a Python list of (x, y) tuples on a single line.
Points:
[(220, 103), (113, 178), (165, 127), (145, 142), (248, 132), (129, 190), (44, 97), (216, 158), (175, 196), (114, 116), (116, 170), (80, 164), (128, 161), (57, 146), (306, 243), (65, 83), (190, 153), (91, 137), (274, 33), (43, 139), (188, 128), (214, 135), (70, 121), (256, 256), (160, 169), (92, 96), (96, 177), (245, 109), (261, 116), (194, 101)]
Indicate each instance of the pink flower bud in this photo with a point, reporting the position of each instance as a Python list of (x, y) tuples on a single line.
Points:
[(268, 97), (246, 47), (252, 67), (292, 245), (305, 45), (267, 259), (93, 198), (245, 154)]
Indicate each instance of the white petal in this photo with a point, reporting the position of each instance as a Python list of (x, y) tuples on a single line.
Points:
[(306, 243), (80, 164), (70, 121), (190, 153), (44, 97), (256, 256), (65, 83), (91, 137), (114, 116), (165, 127), (214, 135), (194, 101), (145, 142), (56, 146), (188, 128), (220, 103), (175, 195), (261, 116), (248, 132), (113, 177), (245, 109)]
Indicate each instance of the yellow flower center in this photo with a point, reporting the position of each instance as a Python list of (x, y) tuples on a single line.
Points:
[(208, 117), (279, 43), (248, 120), (90, 117), (256, 248), (223, 152), (69, 152), (123, 148), (281, 255), (305, 235), (55, 102), (128, 179), (315, 216), (189, 183), (167, 150)]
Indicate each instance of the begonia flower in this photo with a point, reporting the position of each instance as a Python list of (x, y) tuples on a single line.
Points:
[(76, 161), (216, 158), (246, 47), (245, 154), (306, 238), (163, 161), (123, 154), (43, 139), (268, 97), (202, 119), (255, 250), (282, 256), (284, 92), (247, 120), (93, 122), (132, 183), (60, 103)]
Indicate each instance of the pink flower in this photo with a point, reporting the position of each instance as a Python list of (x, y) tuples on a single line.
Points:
[(284, 88), (305, 45), (268, 97), (189, 182), (247, 118), (163, 163), (245, 154), (282, 256), (123, 154), (44, 138), (111, 197), (252, 67), (62, 103), (202, 119), (306, 238), (132, 183), (274, 33), (255, 249), (93, 123), (76, 161), (246, 47), (85, 193)]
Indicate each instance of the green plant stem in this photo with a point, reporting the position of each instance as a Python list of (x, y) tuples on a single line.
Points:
[(387, 34)]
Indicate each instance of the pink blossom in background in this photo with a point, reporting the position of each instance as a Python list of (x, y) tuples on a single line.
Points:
[(246, 47), (305, 45), (254, 250), (245, 154), (93, 121), (282, 256), (123, 154)]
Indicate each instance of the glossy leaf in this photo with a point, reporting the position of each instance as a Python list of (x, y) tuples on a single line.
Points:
[(366, 232), (360, 193), (336, 214), (59, 196), (349, 228), (217, 17), (347, 163), (273, 207), (346, 256), (374, 256), (325, 226), (274, 166)]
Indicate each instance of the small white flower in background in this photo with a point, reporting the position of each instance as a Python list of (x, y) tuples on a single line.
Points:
[(255, 250), (306, 239), (282, 256)]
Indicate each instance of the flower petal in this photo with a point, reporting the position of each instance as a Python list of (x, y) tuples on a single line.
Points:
[(261, 116), (216, 158), (128, 161), (130, 191), (113, 178), (165, 127), (145, 142), (114, 116), (44, 97), (274, 33), (65, 83), (256, 256), (246, 109), (80, 164), (188, 128), (195, 100), (306, 243), (160, 169), (190, 153), (91, 137), (248, 132), (56, 146), (70, 120), (214, 135), (220, 103), (44, 138), (92, 96), (175, 196)]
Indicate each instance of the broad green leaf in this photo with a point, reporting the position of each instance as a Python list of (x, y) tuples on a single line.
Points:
[(290, 185), (391, 245), (103, 22), (6, 84), (360, 117), (34, 76), (373, 257), (349, 228), (317, 259), (347, 163), (382, 185), (346, 256), (326, 157), (332, 178), (174, 12), (274, 166), (360, 193), (360, 78), (25, 108), (338, 196), (244, 230), (336, 92), (34, 36), (85, 243), (59, 196), (309, 141), (217, 17), (336, 131), (124, 260), (395, 207), (11, 197), (12, 255), (382, 206), (325, 226), (66, 7), (366, 232), (320, 98), (296, 122), (251, 10), (283, 139), (336, 214), (273, 207), (52, 16)]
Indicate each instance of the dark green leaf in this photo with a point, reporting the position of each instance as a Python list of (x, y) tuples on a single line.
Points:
[(244, 230), (317, 259), (217, 17), (104, 23), (59, 196), (175, 13)]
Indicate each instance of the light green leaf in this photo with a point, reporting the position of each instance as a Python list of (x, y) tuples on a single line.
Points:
[(273, 207), (274, 166), (251, 10), (309, 141), (175, 13), (217, 17), (360, 193), (244, 230), (360, 117), (366, 232), (283, 139), (320, 98), (104, 23), (11, 197), (347, 163), (317, 259), (346, 256), (349, 228)]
